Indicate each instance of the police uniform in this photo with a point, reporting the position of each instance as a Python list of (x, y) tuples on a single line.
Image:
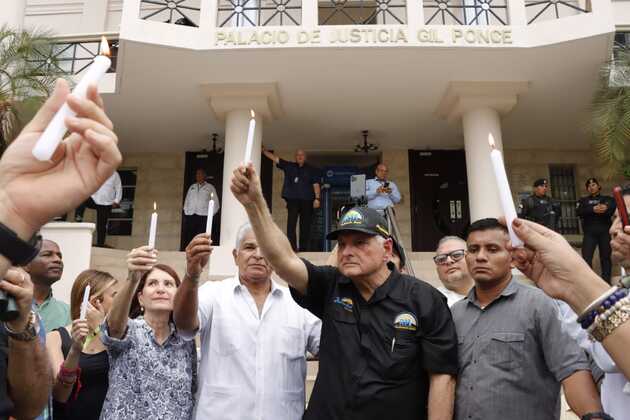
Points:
[(299, 193), (376, 356), (542, 210), (596, 227)]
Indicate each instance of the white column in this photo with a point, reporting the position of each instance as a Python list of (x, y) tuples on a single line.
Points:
[(232, 212), (517, 14), (13, 13), (483, 193)]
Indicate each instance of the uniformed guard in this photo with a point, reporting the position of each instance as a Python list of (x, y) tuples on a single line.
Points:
[(596, 212), (539, 207)]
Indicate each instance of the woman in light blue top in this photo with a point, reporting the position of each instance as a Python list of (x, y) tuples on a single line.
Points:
[(153, 369)]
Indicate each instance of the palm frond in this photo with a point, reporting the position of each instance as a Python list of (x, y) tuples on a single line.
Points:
[(610, 116), (23, 78)]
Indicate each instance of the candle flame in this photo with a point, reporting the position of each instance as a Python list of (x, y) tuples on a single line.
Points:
[(154, 206), (105, 47), (491, 141), (252, 112), (211, 196)]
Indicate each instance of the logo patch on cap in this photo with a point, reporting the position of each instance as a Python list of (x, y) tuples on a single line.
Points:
[(346, 303), (406, 321), (352, 217)]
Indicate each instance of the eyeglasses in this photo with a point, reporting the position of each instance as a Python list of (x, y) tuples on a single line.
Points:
[(456, 255)]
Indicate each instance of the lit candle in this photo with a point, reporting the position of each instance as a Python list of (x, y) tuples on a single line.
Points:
[(153, 227), (210, 214), (84, 304), (52, 136), (504, 191), (250, 138)]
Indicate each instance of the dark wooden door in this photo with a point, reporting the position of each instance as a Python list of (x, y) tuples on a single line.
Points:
[(439, 196), (213, 164)]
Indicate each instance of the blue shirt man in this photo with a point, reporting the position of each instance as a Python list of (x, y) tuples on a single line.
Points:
[(380, 192)]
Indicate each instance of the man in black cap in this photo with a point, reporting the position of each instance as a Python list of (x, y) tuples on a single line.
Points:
[(389, 347), (596, 212), (539, 207)]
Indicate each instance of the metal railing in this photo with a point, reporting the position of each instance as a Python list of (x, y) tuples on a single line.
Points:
[(240, 13), (362, 12), (74, 57), (465, 12), (539, 10), (178, 12), (394, 230)]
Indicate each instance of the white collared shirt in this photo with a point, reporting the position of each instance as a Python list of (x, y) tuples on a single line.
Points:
[(451, 297), (197, 199), (252, 366), (110, 192)]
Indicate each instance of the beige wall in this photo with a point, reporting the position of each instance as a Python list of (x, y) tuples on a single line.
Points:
[(160, 178)]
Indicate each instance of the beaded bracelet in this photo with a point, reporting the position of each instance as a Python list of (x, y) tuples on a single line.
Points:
[(602, 304), (606, 314), (606, 323)]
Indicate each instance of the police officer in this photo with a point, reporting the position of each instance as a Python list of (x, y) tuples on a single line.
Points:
[(596, 212), (539, 207)]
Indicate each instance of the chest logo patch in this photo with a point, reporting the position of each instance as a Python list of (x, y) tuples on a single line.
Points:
[(346, 303), (406, 321)]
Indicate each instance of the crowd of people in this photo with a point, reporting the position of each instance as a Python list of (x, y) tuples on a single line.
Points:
[(389, 345)]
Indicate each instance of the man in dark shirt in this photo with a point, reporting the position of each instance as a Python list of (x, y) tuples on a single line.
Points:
[(539, 207), (596, 212), (388, 346), (301, 191)]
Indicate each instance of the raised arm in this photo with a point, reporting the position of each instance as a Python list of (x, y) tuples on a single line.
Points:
[(80, 165), (273, 243), (271, 156), (560, 272), (395, 194), (139, 261), (186, 304)]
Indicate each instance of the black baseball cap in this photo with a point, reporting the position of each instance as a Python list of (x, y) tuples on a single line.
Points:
[(361, 219), (540, 182)]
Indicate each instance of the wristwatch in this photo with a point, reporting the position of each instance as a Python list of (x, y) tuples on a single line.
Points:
[(15, 249), (595, 416), (28, 334)]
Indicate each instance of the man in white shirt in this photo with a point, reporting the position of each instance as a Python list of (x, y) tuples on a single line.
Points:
[(452, 270), (380, 192), (196, 206), (103, 200), (254, 337)]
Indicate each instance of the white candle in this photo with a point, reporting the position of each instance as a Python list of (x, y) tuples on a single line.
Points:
[(153, 226), (504, 191), (84, 304), (52, 136), (250, 138), (210, 215)]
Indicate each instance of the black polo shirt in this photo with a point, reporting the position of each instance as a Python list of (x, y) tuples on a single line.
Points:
[(375, 356), (298, 180)]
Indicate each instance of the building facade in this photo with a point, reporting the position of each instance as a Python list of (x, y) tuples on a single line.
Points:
[(428, 79)]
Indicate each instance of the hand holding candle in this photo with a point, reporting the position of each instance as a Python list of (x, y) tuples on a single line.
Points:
[(250, 138), (153, 226), (84, 303), (210, 214), (505, 195), (52, 136)]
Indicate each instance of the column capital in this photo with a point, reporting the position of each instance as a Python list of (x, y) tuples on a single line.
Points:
[(263, 98), (461, 97)]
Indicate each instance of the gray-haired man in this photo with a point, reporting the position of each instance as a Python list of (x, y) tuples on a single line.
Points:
[(254, 337)]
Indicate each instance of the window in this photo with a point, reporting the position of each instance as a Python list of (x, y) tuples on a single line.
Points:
[(121, 219), (563, 190)]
